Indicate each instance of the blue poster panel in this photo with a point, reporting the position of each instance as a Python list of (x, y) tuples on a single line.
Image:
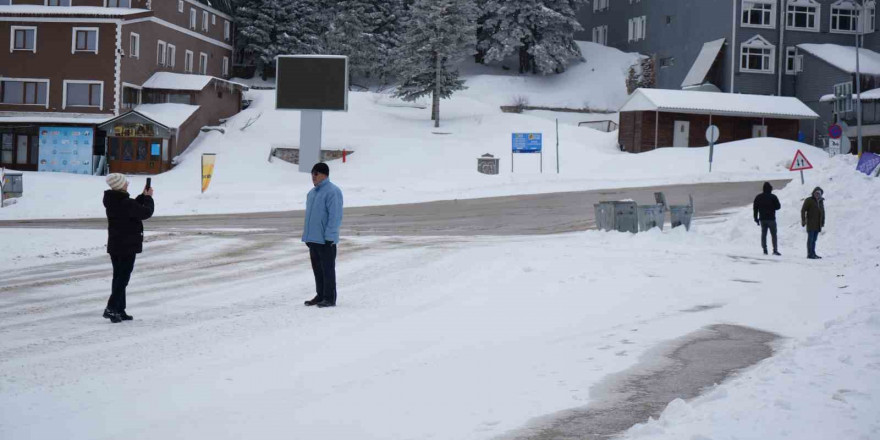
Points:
[(66, 149), (526, 142)]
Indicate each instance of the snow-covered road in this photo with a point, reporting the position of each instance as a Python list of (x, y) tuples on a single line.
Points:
[(452, 337)]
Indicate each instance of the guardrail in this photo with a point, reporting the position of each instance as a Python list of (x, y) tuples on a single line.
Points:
[(606, 126)]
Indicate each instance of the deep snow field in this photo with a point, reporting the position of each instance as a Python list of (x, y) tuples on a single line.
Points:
[(401, 158), (222, 348)]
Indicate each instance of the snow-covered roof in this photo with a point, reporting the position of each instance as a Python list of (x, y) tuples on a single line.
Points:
[(726, 104), (183, 81), (169, 115), (870, 95), (700, 68), (844, 57), (91, 11), (54, 117)]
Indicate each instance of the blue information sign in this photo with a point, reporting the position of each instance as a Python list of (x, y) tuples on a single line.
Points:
[(526, 142), (66, 149)]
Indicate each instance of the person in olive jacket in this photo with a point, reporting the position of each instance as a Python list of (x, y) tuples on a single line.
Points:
[(813, 217), (125, 238), (764, 208)]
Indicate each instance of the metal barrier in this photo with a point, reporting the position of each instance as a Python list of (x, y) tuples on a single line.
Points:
[(606, 126)]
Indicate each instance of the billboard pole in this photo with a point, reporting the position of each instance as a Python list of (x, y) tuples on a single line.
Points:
[(557, 145), (863, 16)]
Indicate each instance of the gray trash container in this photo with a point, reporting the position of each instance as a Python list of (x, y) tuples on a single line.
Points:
[(651, 216), (617, 216), (682, 214), (487, 164)]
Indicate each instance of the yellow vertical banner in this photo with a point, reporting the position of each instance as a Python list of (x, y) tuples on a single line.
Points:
[(207, 169)]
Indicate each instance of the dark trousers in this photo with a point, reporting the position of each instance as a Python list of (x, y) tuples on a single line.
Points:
[(768, 225), (812, 236), (324, 266), (122, 267)]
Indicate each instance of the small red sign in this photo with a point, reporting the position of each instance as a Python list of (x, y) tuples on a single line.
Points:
[(835, 131), (800, 162)]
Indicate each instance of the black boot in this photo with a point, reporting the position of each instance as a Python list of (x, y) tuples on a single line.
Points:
[(313, 301), (124, 316), (112, 316), (777, 253), (323, 304)]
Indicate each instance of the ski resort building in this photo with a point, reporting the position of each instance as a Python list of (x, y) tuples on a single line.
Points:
[(657, 118), (755, 47), (73, 66)]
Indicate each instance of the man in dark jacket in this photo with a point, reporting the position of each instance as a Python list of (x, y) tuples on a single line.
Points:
[(125, 238), (813, 217), (765, 206)]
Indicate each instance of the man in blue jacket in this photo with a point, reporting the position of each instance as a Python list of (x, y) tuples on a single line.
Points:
[(321, 234)]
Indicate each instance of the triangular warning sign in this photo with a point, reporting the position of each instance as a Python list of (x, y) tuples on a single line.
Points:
[(800, 162)]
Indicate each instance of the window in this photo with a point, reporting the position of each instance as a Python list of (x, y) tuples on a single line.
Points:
[(637, 28), (600, 35), (84, 40), (131, 97), (756, 55), (160, 53), (793, 61), (205, 21), (134, 45), (180, 6), (23, 38), (667, 62), (213, 19), (57, 2), (871, 21), (172, 54), (759, 13), (188, 61), (802, 15), (600, 5), (225, 69), (179, 98), (118, 3), (83, 94), (26, 91), (203, 63), (192, 18), (844, 17), (5, 2), (226, 30)]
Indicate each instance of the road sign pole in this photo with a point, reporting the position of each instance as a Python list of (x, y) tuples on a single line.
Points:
[(802, 177), (557, 146), (542, 160), (511, 161), (711, 152)]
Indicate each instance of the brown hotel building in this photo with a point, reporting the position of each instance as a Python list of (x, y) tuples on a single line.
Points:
[(139, 76)]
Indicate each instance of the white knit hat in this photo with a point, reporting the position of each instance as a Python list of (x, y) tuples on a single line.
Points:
[(116, 181)]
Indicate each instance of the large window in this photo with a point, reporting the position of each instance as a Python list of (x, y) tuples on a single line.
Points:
[(871, 22), (600, 35), (793, 61), (180, 98), (759, 13), (5, 2), (226, 30), (203, 63), (205, 21), (188, 61), (25, 91), (84, 40), (134, 45), (83, 94), (756, 55), (802, 15), (131, 97), (57, 2), (638, 28), (192, 18), (845, 17), (23, 38), (118, 3)]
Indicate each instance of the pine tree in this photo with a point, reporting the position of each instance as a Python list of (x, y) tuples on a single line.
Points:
[(540, 31), (438, 33), (304, 24), (369, 33), (257, 25)]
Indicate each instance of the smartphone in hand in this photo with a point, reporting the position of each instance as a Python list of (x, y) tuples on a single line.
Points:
[(149, 182)]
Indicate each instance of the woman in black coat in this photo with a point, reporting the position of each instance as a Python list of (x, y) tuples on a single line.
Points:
[(125, 238)]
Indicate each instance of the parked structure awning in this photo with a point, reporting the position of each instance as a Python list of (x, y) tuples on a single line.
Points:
[(703, 63), (720, 104)]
